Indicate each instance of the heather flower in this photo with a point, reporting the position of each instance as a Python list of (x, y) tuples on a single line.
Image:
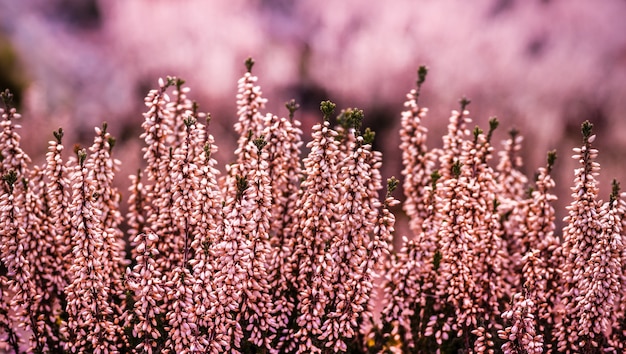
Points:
[(14, 252), (205, 237), (418, 161), (511, 185), (357, 213), (145, 284), (283, 138), (409, 280), (101, 173), (243, 305), (250, 102), (92, 324), (9, 336), (456, 280), (521, 336), (454, 140), (180, 317), (15, 238), (316, 210), (135, 217), (591, 267), (600, 290), (618, 338), (534, 220), (58, 198), (378, 261), (12, 155), (511, 181), (157, 192), (44, 262), (185, 184), (470, 278)]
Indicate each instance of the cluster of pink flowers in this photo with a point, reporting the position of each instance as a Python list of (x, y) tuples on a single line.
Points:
[(284, 254)]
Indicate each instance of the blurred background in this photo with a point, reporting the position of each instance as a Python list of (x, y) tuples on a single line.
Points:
[(540, 66)]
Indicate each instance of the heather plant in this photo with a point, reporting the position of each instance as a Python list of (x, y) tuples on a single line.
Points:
[(289, 248)]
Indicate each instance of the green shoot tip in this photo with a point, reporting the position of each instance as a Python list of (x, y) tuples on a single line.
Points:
[(614, 191), (551, 159), (421, 75), (249, 64), (328, 109), (292, 107), (586, 129), (456, 169), (260, 143), (58, 135), (368, 136), (392, 184), (464, 101)]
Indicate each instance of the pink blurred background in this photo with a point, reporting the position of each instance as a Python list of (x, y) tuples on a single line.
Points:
[(540, 66)]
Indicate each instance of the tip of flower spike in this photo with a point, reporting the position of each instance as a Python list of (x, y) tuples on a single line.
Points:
[(260, 143), (368, 136), (292, 107), (551, 159), (464, 101), (421, 75), (249, 64), (356, 119), (586, 129), (7, 98), (392, 184), (351, 118), (493, 125), (175, 81), (82, 155), (328, 109), (164, 84), (58, 135), (189, 121), (477, 132)]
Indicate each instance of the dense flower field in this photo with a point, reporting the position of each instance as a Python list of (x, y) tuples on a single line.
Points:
[(280, 253)]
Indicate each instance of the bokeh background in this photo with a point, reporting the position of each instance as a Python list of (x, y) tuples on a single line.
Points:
[(542, 67)]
